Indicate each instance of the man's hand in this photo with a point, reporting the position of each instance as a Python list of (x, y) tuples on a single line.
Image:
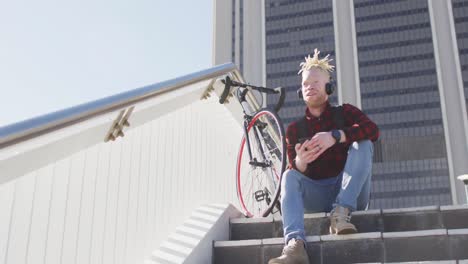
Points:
[(311, 149)]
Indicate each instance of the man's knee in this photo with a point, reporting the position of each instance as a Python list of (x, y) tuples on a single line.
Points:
[(363, 145), (366, 143), (290, 178)]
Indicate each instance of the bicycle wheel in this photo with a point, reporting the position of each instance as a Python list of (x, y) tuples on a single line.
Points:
[(258, 176)]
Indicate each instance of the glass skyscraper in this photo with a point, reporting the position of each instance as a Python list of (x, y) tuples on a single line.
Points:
[(397, 79)]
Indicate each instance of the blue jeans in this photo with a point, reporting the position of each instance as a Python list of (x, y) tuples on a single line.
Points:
[(350, 189)]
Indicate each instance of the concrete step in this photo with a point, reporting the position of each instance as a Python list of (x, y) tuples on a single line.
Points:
[(375, 247), (387, 220)]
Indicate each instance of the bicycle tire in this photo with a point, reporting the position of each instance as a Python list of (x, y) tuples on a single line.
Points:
[(263, 122)]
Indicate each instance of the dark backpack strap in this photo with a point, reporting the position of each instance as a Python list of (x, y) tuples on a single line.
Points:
[(302, 131), (338, 116)]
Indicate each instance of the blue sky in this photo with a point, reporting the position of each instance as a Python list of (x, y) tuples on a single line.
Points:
[(56, 54)]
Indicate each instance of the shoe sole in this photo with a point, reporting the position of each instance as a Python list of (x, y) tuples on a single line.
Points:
[(342, 232)]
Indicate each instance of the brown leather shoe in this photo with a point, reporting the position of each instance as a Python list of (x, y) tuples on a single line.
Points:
[(340, 221), (293, 253)]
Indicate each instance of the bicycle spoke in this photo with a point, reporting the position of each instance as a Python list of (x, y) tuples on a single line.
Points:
[(246, 182), (259, 183), (271, 150), (274, 175), (250, 189), (272, 182), (253, 198)]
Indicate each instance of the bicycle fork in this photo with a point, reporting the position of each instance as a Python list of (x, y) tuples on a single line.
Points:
[(265, 194)]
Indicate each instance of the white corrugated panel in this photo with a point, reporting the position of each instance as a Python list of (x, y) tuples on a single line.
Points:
[(115, 202)]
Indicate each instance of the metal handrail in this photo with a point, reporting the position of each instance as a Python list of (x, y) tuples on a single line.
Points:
[(37, 126)]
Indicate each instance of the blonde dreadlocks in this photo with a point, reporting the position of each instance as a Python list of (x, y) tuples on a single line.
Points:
[(315, 62)]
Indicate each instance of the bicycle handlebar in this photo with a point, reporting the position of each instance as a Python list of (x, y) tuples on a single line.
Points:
[(227, 87), (280, 103), (228, 83)]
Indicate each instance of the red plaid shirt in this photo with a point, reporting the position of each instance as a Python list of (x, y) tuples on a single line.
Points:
[(357, 126)]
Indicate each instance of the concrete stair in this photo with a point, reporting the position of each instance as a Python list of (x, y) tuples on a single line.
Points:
[(416, 235)]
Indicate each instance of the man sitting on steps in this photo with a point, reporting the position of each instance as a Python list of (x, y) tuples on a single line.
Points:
[(330, 161)]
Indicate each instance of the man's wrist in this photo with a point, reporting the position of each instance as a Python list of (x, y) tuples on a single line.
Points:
[(299, 165), (343, 136), (336, 135)]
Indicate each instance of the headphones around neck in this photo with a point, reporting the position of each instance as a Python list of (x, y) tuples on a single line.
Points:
[(329, 88)]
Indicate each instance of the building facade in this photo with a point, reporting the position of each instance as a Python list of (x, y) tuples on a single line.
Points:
[(403, 62)]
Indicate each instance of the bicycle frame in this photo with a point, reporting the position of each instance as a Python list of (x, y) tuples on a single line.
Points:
[(257, 138)]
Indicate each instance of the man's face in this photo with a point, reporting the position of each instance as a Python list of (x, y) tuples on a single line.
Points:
[(313, 87)]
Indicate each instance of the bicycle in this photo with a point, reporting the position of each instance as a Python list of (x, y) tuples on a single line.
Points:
[(261, 159)]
